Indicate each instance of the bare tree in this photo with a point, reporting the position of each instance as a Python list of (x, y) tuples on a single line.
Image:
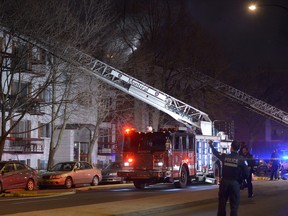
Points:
[(22, 85), (164, 39), (85, 25)]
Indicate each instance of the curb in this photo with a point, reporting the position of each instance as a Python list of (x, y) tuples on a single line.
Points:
[(35, 194), (40, 193)]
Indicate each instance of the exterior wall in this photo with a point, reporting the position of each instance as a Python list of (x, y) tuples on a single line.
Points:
[(65, 152)]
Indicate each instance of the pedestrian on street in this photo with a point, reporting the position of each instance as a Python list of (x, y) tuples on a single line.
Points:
[(275, 161), (234, 170), (251, 163)]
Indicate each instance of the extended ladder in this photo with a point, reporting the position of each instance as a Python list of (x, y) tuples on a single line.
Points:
[(177, 109), (252, 103)]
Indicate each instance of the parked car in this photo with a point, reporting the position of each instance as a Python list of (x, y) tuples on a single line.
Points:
[(109, 173), (16, 175), (70, 174)]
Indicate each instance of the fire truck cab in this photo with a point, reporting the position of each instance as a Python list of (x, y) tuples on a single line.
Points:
[(170, 156)]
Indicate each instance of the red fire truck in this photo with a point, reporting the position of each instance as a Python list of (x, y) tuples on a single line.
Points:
[(171, 156)]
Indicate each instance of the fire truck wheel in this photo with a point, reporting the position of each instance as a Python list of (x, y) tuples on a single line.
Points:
[(139, 184), (182, 179)]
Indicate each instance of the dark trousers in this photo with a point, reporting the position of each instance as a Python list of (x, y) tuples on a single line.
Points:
[(249, 185), (228, 190), (274, 172)]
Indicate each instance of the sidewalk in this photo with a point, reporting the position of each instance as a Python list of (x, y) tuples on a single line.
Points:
[(149, 206)]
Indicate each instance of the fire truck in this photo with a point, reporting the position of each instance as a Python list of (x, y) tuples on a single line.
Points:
[(146, 155), (176, 156)]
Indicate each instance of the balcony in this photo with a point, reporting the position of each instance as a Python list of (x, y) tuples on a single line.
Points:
[(24, 146)]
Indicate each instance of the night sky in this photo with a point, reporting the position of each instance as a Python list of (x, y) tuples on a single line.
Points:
[(250, 39)]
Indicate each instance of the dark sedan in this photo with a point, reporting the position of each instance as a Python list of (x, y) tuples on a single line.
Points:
[(16, 175), (109, 173)]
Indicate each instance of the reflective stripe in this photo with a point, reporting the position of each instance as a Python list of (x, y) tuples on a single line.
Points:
[(230, 164)]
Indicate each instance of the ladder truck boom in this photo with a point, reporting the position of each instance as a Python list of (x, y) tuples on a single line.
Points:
[(250, 102), (182, 112)]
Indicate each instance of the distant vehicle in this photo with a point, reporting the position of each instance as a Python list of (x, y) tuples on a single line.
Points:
[(16, 175), (70, 174), (109, 173)]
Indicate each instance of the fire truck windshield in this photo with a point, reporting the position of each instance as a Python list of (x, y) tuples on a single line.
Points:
[(148, 142)]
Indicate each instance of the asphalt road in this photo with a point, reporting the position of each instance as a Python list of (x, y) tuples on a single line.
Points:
[(125, 200)]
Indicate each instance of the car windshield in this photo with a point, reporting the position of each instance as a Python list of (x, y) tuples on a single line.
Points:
[(63, 166)]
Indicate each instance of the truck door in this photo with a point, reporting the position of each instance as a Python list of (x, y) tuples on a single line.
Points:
[(191, 154)]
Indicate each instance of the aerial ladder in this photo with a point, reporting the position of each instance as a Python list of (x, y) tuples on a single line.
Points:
[(248, 101), (179, 110)]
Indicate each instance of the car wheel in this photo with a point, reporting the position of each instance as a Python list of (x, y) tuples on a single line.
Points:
[(30, 185), (95, 181), (68, 183)]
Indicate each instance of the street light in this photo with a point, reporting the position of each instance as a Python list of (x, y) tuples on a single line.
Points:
[(254, 6)]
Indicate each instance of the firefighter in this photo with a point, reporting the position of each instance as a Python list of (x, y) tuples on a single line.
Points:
[(251, 163), (234, 170)]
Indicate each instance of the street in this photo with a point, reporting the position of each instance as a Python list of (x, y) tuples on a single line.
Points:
[(163, 199)]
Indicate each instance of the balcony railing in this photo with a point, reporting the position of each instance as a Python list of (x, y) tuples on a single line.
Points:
[(24, 146)]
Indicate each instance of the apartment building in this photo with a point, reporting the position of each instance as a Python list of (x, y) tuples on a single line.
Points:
[(25, 86)]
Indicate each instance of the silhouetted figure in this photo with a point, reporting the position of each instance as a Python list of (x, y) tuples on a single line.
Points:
[(275, 161), (251, 163)]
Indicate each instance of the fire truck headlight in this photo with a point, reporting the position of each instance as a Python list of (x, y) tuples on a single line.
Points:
[(160, 163), (126, 164)]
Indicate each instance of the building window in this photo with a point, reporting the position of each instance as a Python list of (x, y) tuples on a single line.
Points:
[(44, 130), (81, 151), (37, 55), (22, 60), (46, 94), (104, 135), (21, 89), (22, 129)]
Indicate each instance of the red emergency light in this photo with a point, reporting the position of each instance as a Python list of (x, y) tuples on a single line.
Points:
[(129, 130), (128, 162)]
